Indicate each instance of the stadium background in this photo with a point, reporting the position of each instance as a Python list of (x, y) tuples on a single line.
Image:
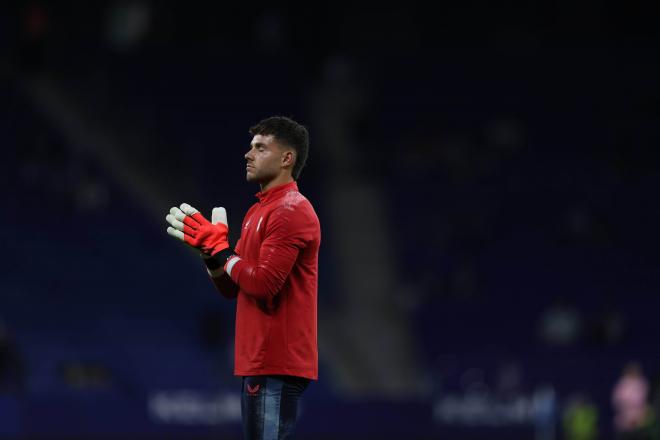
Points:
[(485, 177)]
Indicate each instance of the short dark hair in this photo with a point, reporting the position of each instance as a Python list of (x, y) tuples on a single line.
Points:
[(289, 132)]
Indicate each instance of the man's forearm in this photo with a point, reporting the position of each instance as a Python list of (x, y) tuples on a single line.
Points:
[(225, 285), (221, 280)]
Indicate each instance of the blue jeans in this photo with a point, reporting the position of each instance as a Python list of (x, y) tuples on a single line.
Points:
[(269, 406)]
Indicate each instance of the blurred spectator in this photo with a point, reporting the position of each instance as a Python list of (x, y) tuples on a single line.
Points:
[(11, 365), (580, 419), (630, 402), (544, 404), (560, 324)]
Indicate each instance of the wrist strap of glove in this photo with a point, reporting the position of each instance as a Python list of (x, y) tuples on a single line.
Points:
[(218, 260)]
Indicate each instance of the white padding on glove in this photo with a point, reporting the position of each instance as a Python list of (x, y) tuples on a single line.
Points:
[(176, 233), (219, 215), (176, 224), (188, 210)]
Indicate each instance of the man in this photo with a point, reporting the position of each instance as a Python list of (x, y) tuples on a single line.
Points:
[(272, 273)]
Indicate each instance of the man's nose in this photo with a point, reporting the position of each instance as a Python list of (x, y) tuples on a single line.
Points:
[(248, 156)]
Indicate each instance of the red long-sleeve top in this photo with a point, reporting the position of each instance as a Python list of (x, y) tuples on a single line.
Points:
[(275, 284)]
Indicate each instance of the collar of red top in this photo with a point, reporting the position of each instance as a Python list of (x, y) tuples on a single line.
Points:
[(276, 192)]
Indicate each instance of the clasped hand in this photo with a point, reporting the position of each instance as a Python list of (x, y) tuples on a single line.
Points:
[(189, 226)]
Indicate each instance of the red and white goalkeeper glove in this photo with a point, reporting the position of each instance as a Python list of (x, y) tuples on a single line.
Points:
[(189, 226)]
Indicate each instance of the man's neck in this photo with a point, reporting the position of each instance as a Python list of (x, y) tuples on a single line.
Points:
[(277, 181)]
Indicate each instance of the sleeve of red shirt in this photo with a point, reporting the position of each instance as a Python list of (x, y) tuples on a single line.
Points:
[(225, 286), (288, 230)]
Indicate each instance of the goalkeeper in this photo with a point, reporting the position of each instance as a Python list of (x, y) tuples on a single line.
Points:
[(272, 272)]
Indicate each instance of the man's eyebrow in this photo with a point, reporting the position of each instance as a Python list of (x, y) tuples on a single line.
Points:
[(258, 144)]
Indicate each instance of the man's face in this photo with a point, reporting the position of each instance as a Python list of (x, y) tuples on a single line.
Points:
[(264, 159)]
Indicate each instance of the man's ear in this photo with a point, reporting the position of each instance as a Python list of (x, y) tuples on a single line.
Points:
[(288, 158)]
